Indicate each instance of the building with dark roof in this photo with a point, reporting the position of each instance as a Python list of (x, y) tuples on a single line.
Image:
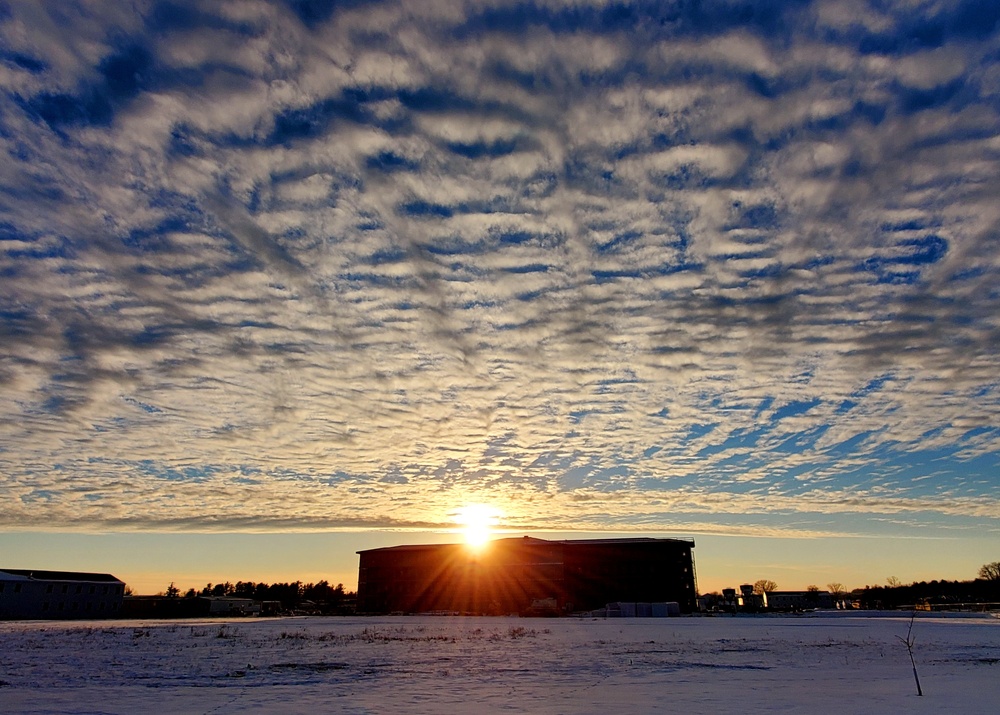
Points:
[(526, 575), (31, 594)]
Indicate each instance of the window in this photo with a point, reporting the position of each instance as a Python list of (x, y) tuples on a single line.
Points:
[(2, 584), (17, 588), (48, 589), (79, 588), (93, 588), (65, 588), (45, 606)]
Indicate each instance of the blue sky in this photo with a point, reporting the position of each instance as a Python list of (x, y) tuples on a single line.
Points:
[(716, 269)]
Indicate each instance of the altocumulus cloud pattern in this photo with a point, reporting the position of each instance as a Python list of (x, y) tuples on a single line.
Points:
[(609, 265)]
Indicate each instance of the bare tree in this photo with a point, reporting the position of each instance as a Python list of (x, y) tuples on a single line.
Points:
[(893, 582), (764, 585), (837, 589), (990, 572), (908, 642)]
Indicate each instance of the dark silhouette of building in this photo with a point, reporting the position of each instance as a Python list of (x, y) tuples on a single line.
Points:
[(34, 594), (188, 607), (526, 576)]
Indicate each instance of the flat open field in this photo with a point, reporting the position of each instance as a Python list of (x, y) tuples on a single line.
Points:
[(835, 663)]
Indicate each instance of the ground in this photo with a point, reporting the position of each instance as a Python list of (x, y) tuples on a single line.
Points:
[(832, 662)]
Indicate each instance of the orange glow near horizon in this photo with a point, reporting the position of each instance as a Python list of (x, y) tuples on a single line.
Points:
[(477, 522)]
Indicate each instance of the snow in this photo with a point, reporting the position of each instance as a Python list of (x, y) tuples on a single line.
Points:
[(843, 663)]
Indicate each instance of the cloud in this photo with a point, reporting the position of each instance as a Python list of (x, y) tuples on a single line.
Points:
[(625, 265)]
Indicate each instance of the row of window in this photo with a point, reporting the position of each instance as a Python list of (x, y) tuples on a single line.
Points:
[(74, 606), (65, 588), (79, 588)]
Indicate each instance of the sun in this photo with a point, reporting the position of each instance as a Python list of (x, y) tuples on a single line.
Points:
[(477, 522)]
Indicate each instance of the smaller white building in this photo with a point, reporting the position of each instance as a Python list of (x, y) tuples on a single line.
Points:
[(27, 594)]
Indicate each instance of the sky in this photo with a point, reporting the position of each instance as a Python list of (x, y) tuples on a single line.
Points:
[(319, 274)]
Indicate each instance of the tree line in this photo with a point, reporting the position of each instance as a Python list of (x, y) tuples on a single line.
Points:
[(319, 596), (984, 589), (930, 593)]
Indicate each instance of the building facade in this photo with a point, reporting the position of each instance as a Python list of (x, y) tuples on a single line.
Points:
[(526, 576), (189, 607), (29, 594), (799, 600)]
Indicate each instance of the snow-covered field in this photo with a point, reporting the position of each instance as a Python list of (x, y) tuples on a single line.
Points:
[(835, 663)]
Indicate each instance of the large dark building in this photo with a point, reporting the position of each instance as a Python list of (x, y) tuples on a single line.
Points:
[(526, 575), (35, 594)]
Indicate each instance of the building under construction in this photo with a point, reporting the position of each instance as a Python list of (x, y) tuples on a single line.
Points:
[(526, 576)]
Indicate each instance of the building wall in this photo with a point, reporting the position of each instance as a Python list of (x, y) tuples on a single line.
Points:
[(59, 595), (654, 570), (164, 607), (185, 607), (799, 600), (505, 578), (513, 575)]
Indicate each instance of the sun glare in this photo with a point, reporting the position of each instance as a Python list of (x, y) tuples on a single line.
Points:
[(477, 521)]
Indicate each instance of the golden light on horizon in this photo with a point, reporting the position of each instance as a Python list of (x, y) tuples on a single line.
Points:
[(477, 522)]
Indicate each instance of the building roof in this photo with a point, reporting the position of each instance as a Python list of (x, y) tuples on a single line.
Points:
[(631, 540), (36, 575), (533, 540)]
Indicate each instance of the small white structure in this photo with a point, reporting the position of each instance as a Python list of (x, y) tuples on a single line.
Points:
[(626, 609), (27, 594)]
